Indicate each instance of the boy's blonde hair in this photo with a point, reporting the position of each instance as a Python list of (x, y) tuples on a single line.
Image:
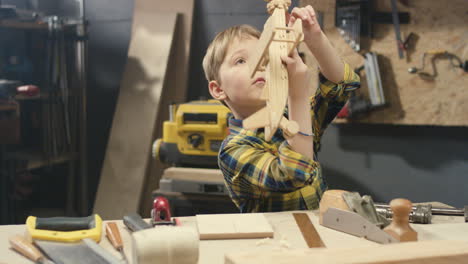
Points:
[(217, 50)]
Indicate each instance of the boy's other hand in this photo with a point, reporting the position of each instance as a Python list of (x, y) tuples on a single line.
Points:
[(299, 76), (310, 25)]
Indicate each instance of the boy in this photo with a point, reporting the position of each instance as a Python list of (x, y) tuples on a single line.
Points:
[(279, 175)]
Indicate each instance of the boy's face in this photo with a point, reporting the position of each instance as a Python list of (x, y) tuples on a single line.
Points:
[(241, 92)]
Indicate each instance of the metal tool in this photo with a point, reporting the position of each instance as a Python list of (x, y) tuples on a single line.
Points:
[(27, 249), (429, 209), (100, 251), (310, 234), (420, 215), (354, 224), (65, 229), (134, 222), (364, 206), (455, 61), (358, 105), (161, 212), (396, 24), (113, 234), (83, 252)]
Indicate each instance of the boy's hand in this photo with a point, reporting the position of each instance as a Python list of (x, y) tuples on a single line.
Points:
[(310, 25), (299, 76)]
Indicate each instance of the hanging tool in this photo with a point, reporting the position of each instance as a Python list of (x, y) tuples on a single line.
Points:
[(161, 212), (65, 229), (396, 24), (113, 234), (356, 18), (310, 234), (134, 222), (358, 105), (27, 249), (455, 61)]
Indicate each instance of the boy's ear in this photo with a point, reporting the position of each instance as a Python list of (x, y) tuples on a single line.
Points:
[(216, 91)]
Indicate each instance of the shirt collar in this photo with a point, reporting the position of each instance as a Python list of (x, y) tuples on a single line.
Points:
[(235, 125)]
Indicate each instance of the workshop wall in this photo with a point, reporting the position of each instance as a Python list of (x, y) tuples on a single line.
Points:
[(411, 99)]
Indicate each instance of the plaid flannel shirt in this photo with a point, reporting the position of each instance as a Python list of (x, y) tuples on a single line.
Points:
[(266, 176)]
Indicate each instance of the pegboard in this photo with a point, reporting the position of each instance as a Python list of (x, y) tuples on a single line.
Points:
[(411, 100)]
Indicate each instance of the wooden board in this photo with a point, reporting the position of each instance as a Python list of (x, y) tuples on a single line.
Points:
[(194, 174), (426, 252), (233, 226), (176, 81), (412, 100), (129, 147)]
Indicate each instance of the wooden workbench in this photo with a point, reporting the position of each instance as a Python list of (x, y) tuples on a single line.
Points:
[(286, 234)]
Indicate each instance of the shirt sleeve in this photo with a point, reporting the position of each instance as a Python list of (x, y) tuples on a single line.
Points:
[(330, 99), (251, 168)]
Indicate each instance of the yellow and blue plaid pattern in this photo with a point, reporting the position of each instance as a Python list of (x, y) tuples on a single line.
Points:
[(266, 176)]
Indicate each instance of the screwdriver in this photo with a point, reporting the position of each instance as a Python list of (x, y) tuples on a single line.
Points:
[(27, 249), (113, 234)]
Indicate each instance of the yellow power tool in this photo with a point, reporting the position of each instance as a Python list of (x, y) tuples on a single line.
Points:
[(193, 134)]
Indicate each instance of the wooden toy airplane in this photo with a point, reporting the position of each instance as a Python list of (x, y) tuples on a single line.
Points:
[(276, 40)]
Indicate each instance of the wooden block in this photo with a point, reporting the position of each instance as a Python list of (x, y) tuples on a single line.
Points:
[(426, 252), (195, 174), (233, 226), (333, 199), (129, 147)]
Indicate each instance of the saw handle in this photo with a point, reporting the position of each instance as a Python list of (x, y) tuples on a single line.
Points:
[(26, 249), (66, 223)]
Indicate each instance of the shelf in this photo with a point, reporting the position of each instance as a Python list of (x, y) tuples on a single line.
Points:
[(36, 159), (12, 23)]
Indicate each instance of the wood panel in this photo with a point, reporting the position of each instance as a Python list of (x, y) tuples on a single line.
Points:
[(129, 147), (412, 100), (233, 226), (176, 82), (427, 252)]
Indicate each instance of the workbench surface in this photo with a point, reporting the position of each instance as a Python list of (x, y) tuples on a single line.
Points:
[(286, 234)]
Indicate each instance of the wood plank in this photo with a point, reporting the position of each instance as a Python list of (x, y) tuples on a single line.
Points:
[(308, 230), (426, 252), (233, 226), (129, 147), (194, 174), (176, 81)]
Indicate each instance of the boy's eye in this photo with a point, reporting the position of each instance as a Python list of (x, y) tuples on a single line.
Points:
[(240, 61)]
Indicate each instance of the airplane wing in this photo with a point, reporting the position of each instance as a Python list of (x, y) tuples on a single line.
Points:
[(261, 118)]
